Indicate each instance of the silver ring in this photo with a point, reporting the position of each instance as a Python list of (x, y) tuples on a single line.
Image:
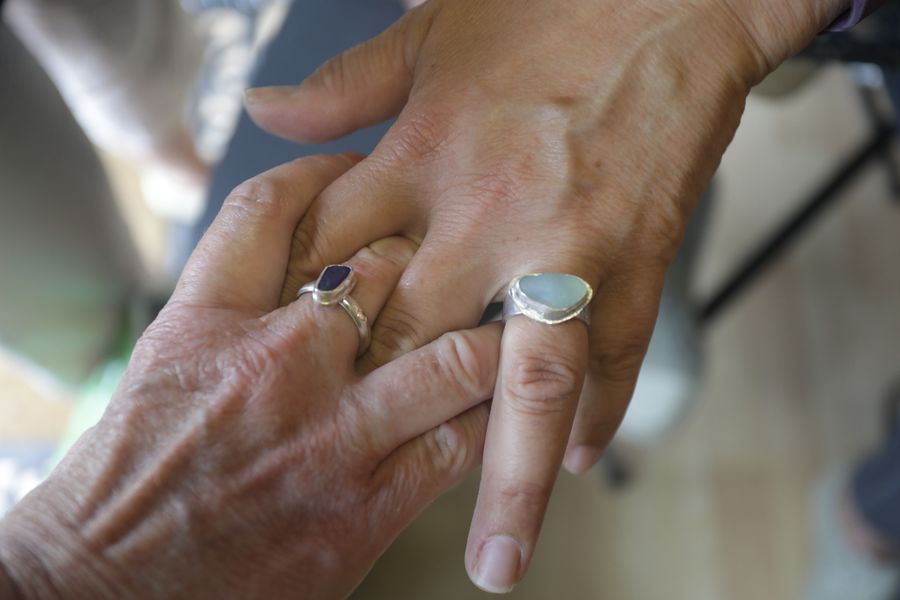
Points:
[(333, 288), (548, 298)]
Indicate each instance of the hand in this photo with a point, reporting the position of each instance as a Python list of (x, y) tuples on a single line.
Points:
[(533, 137), (243, 454)]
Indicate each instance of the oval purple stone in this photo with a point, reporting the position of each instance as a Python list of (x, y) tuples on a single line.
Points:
[(332, 277)]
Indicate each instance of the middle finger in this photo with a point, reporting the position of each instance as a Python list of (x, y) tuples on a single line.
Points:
[(542, 370)]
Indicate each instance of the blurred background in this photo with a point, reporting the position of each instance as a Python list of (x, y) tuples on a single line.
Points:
[(773, 373)]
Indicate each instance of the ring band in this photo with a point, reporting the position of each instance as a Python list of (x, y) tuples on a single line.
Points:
[(333, 288), (548, 298)]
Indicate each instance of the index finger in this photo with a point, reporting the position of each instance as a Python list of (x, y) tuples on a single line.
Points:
[(542, 370), (242, 259)]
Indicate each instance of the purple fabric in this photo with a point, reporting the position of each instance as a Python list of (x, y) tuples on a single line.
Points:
[(859, 9)]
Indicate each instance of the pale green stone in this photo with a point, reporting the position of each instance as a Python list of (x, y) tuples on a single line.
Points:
[(554, 290)]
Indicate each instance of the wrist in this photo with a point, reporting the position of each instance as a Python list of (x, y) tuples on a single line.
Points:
[(777, 30), (42, 557), (741, 41)]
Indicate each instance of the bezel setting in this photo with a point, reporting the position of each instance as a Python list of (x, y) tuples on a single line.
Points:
[(540, 312), (328, 297)]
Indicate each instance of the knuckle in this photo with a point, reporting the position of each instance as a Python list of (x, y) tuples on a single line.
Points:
[(254, 353), (356, 416), (447, 450), (388, 255), (663, 230), (510, 178), (258, 197), (396, 332), (464, 364), (542, 384), (307, 255), (523, 498), (154, 350), (494, 192), (333, 75), (289, 340), (419, 138), (620, 362), (398, 250)]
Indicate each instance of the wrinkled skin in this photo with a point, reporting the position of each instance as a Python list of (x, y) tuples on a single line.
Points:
[(248, 454), (244, 454), (534, 136)]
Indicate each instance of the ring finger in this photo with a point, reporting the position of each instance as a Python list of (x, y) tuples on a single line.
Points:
[(377, 269)]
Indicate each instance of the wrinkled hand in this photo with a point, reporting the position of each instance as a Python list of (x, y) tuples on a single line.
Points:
[(534, 137), (243, 454)]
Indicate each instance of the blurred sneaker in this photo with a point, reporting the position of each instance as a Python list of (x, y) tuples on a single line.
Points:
[(841, 570)]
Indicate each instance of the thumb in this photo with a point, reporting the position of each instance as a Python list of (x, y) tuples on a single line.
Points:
[(362, 86)]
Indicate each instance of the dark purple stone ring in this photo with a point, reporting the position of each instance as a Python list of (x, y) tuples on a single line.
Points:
[(333, 287)]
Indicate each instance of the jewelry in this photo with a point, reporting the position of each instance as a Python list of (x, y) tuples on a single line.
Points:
[(548, 298), (333, 287)]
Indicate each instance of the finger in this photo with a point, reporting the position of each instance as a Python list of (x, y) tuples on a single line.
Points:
[(541, 373), (241, 260), (360, 87), (421, 470), (436, 294), (378, 268), (623, 317), (421, 389), (368, 203)]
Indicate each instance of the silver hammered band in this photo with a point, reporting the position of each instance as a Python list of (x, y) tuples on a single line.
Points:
[(340, 280)]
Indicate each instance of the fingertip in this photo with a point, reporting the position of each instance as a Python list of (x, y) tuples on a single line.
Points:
[(498, 566), (290, 112), (580, 459)]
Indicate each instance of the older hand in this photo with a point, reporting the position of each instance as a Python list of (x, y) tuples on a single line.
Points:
[(534, 137), (243, 454)]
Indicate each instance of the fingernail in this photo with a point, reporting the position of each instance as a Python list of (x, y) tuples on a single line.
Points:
[(581, 458), (498, 565), (263, 94)]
